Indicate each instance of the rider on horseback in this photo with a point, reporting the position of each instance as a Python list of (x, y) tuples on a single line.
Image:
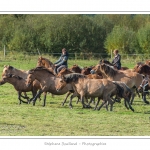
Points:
[(62, 61), (117, 60)]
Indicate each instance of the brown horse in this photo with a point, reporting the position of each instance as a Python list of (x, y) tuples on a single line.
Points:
[(11, 70), (131, 79), (65, 71), (44, 62), (108, 63), (143, 88), (101, 88), (75, 68), (143, 69), (20, 86), (48, 81)]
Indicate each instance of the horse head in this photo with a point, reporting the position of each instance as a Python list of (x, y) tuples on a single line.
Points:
[(30, 79), (61, 83)]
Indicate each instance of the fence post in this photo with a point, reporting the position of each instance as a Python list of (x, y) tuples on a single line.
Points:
[(111, 54), (38, 51), (4, 51)]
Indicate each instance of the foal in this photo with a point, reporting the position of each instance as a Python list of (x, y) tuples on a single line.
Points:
[(20, 86)]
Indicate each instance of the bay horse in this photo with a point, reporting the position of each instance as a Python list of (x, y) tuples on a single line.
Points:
[(131, 79), (101, 88), (12, 70), (44, 62), (109, 63), (75, 68), (65, 71), (143, 88), (20, 85), (143, 69), (48, 81)]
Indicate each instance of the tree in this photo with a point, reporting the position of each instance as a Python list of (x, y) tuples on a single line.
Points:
[(120, 38)]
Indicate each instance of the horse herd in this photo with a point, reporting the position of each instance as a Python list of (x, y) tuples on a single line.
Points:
[(102, 81)]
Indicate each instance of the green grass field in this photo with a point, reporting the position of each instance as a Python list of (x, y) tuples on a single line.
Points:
[(57, 120)]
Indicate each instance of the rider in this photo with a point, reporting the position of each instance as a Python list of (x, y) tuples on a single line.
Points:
[(117, 59), (62, 61)]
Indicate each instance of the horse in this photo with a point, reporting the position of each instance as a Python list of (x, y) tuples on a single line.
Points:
[(143, 69), (109, 63), (147, 62), (20, 85), (75, 68), (86, 71), (65, 71), (11, 70), (47, 81), (131, 79), (44, 62), (101, 88), (143, 88)]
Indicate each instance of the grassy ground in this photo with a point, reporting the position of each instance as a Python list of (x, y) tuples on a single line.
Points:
[(57, 120)]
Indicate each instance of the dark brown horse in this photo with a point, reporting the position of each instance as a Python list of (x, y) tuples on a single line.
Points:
[(108, 63), (75, 68), (20, 85), (143, 69), (131, 79)]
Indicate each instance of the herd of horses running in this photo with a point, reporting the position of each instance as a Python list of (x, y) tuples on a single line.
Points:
[(102, 81)]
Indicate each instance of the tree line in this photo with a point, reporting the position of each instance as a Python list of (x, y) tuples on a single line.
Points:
[(99, 33)]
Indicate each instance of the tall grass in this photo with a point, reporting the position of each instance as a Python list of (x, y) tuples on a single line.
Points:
[(57, 120)]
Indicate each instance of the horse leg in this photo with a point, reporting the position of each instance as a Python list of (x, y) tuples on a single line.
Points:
[(19, 98), (45, 93), (97, 103), (66, 98), (111, 103), (132, 98), (36, 96), (104, 102), (71, 97), (125, 102), (130, 106), (144, 98), (137, 92), (78, 100)]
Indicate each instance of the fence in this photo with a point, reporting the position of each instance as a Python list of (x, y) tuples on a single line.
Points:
[(4, 54)]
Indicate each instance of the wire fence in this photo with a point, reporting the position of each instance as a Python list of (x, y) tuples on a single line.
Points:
[(4, 54)]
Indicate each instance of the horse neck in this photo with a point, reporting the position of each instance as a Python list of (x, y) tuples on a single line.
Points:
[(42, 76), (14, 81), (19, 73)]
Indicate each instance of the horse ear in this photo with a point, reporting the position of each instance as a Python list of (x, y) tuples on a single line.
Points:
[(40, 57)]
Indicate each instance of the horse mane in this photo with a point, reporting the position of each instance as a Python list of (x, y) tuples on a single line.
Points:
[(105, 62), (40, 68), (109, 70), (72, 77), (16, 76)]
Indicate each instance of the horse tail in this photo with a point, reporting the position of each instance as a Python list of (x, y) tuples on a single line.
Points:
[(120, 90)]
